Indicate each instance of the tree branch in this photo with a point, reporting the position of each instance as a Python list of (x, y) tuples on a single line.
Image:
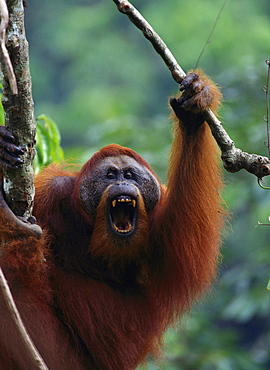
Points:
[(159, 45), (233, 158)]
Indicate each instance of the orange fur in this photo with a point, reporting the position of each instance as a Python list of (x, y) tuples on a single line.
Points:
[(99, 305)]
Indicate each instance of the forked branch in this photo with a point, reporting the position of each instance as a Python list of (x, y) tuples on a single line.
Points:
[(233, 158)]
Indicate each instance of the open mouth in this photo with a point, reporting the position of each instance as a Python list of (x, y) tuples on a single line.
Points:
[(123, 210)]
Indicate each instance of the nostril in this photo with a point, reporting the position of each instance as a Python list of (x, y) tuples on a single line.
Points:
[(123, 184)]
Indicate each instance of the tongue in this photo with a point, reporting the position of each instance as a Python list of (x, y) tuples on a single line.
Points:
[(122, 221), (123, 228)]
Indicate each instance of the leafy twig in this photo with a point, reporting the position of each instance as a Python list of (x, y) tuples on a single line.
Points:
[(233, 159)]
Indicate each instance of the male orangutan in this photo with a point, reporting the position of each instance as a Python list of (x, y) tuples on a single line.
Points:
[(122, 256)]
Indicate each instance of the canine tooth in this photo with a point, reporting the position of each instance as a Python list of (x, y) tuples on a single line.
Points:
[(133, 202), (114, 203)]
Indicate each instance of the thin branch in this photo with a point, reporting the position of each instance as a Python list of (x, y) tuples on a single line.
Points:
[(5, 54), (25, 341), (233, 159), (208, 41)]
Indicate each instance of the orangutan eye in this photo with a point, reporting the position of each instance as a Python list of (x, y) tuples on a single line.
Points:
[(128, 175), (111, 174)]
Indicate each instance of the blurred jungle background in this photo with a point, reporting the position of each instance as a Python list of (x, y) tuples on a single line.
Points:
[(96, 76)]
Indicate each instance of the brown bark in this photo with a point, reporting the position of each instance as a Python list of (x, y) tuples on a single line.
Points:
[(19, 114)]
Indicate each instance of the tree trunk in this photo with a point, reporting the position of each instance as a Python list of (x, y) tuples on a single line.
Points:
[(19, 114)]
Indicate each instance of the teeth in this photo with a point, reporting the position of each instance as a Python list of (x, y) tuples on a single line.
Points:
[(124, 200), (123, 231)]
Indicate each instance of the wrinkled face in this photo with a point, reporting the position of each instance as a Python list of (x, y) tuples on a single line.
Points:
[(118, 185)]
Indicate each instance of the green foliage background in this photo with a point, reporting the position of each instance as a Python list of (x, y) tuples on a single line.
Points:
[(100, 80)]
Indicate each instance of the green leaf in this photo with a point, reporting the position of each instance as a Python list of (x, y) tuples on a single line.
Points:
[(51, 127), (48, 141)]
